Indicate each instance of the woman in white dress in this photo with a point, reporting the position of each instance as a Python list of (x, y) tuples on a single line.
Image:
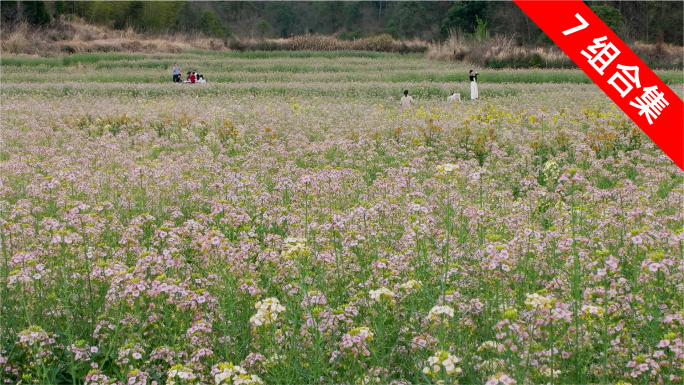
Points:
[(473, 85)]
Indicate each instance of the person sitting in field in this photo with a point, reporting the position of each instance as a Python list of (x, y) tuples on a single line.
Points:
[(454, 97), (200, 79), (405, 101), (191, 78)]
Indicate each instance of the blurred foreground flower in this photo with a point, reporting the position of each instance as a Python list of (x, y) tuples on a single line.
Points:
[(267, 312)]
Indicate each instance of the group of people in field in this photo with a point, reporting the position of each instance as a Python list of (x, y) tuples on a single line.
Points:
[(406, 100), (192, 76)]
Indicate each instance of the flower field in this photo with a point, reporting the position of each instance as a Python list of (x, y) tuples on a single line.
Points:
[(284, 231)]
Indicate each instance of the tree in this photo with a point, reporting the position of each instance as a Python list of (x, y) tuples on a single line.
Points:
[(611, 16), (189, 17), (463, 15), (481, 30), (354, 15), (160, 15), (392, 28), (60, 8), (330, 15), (9, 10), (35, 12), (282, 17), (211, 25), (264, 29), (408, 21)]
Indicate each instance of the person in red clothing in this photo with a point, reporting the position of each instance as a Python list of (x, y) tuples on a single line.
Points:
[(191, 77)]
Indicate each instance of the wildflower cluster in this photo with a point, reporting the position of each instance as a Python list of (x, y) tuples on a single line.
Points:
[(227, 373), (538, 301), (355, 341), (380, 294), (536, 239), (442, 361), (181, 375), (437, 313), (411, 284), (267, 312), (295, 246)]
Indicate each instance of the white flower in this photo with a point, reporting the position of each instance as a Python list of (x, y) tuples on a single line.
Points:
[(376, 295), (539, 301), (591, 310), (436, 311), (295, 245), (440, 359), (448, 167), (550, 373), (267, 312), (412, 284), (488, 345), (234, 374), (211, 138)]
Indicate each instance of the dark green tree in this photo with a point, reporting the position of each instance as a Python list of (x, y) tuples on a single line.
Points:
[(392, 28), (611, 16), (354, 15), (408, 21), (211, 25), (9, 10), (35, 12), (463, 15), (282, 17), (189, 17), (264, 29), (330, 15), (60, 9)]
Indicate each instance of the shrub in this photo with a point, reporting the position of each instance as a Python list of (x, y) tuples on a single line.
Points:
[(537, 60), (264, 29), (354, 34)]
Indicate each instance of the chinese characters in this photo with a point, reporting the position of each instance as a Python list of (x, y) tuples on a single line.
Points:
[(601, 55)]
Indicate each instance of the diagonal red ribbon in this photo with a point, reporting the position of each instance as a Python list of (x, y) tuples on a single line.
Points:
[(615, 68)]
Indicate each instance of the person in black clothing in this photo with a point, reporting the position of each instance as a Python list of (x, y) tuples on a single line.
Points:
[(473, 85)]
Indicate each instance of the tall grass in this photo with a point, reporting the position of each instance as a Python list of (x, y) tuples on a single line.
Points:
[(503, 52)]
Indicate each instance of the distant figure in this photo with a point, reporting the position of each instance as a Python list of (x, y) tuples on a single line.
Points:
[(454, 97), (176, 73), (473, 85), (200, 79), (405, 101)]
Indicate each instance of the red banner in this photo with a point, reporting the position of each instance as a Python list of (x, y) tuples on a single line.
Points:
[(618, 71)]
